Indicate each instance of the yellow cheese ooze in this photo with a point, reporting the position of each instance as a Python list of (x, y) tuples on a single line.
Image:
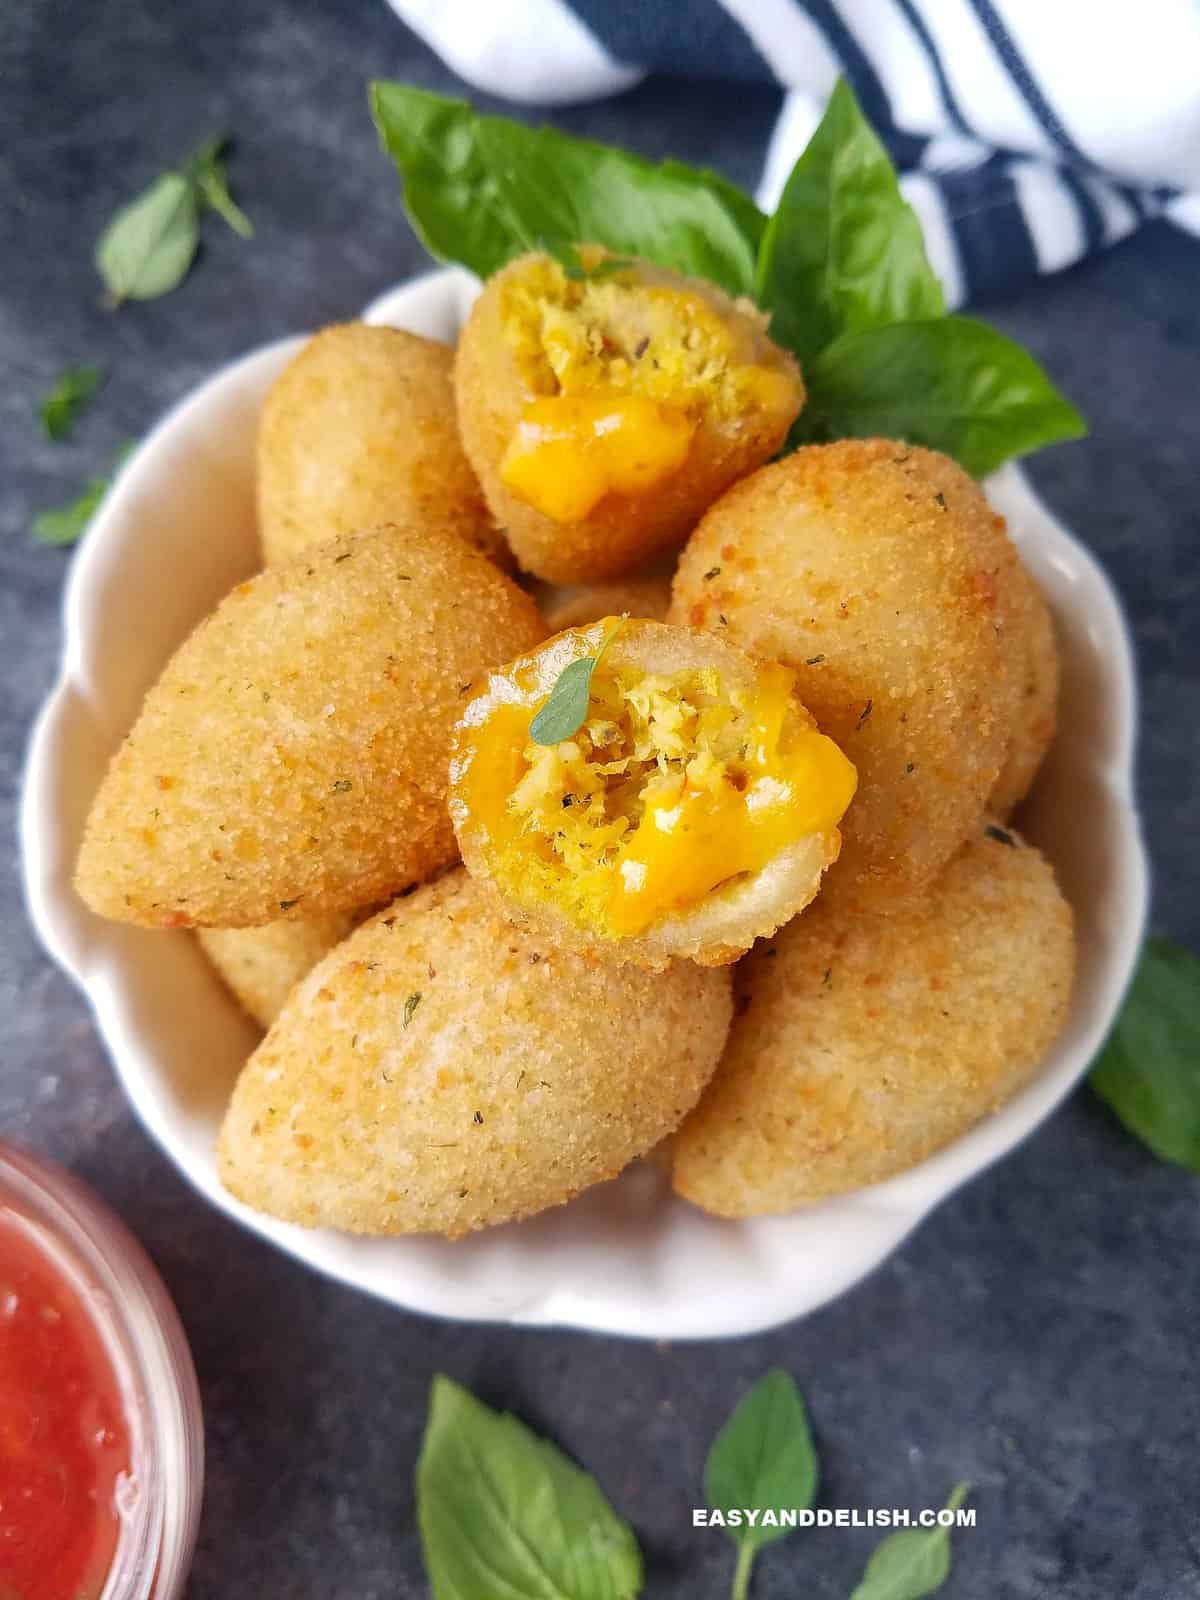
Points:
[(691, 840), (670, 790), (569, 451)]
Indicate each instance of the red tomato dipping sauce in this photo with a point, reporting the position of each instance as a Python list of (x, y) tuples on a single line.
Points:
[(101, 1436), (65, 1449)]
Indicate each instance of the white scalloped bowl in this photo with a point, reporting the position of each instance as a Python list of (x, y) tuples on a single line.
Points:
[(176, 532)]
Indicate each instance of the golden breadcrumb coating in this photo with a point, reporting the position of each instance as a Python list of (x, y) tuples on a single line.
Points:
[(635, 597), (1037, 710), (693, 810), (879, 573), (862, 1044), (261, 966), (443, 1070), (360, 429), (291, 760), (603, 414)]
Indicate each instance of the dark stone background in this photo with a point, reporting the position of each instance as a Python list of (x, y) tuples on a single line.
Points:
[(1037, 1335)]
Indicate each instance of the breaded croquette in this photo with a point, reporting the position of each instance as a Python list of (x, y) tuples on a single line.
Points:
[(862, 1044), (442, 1070), (1037, 706), (358, 430), (879, 574), (603, 413), (692, 808), (636, 597), (261, 966), (291, 760)]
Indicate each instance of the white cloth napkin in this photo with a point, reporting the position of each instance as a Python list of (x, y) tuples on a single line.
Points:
[(1028, 132)]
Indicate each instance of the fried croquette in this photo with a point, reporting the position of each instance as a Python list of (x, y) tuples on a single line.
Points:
[(358, 430), (1037, 708), (693, 809), (291, 760), (636, 597), (603, 413), (261, 966), (443, 1070), (878, 573), (862, 1044)]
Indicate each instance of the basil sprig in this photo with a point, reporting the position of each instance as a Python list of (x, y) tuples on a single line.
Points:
[(762, 1460), (481, 190), (502, 1512), (1149, 1071), (840, 266)]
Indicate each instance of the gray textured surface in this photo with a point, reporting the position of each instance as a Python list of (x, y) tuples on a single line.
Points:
[(1036, 1336)]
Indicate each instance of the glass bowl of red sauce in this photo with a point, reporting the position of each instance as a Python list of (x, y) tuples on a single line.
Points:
[(101, 1433)]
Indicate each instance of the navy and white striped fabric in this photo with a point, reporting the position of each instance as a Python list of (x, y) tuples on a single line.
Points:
[(1028, 132)]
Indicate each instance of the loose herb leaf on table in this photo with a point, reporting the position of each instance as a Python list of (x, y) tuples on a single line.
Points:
[(504, 1512), (64, 524), (911, 1563), (762, 1460), (148, 246), (70, 397), (1149, 1071), (206, 169)]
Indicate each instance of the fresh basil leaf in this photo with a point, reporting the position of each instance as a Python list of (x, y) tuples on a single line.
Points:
[(452, 199), (148, 246), (762, 1460), (844, 250), (481, 190), (206, 170), (502, 1512), (562, 192), (565, 712), (1149, 1071), (65, 524), (912, 1563), (70, 397), (953, 384)]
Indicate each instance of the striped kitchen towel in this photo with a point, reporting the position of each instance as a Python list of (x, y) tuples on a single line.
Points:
[(1028, 132)]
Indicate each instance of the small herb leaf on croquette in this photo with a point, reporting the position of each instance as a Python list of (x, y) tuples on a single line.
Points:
[(1149, 1071), (844, 249), (762, 1460), (565, 712), (410, 1007), (952, 384), (483, 190), (504, 1512)]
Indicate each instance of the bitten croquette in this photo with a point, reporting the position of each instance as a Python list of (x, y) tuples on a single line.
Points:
[(693, 810), (442, 1070), (261, 966), (359, 429), (291, 760), (604, 413), (879, 574), (863, 1044)]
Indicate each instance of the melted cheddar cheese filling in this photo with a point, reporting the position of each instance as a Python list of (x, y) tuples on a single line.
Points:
[(621, 370), (675, 786)]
